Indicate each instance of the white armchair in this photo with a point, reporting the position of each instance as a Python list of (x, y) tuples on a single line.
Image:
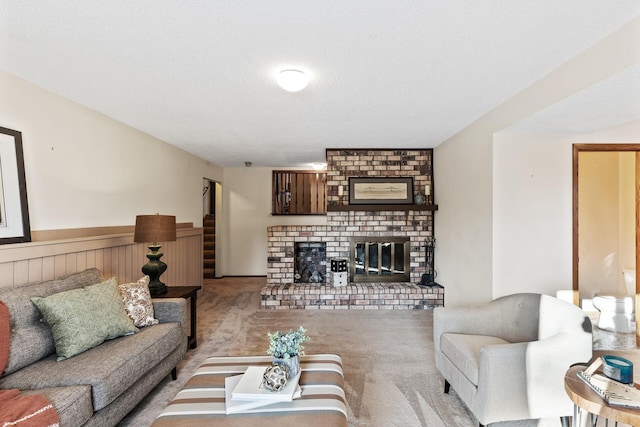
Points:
[(507, 360)]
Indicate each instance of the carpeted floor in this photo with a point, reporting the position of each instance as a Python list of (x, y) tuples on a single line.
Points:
[(390, 375)]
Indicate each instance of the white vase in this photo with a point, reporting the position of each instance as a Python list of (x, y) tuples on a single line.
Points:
[(293, 363)]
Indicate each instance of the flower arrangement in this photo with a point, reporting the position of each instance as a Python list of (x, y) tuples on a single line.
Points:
[(283, 345)]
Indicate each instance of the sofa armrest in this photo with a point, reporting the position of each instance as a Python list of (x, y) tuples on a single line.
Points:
[(168, 310)]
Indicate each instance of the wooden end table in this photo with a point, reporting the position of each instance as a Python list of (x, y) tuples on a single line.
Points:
[(185, 292), (587, 400)]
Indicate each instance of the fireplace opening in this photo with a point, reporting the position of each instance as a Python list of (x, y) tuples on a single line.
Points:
[(310, 262), (380, 259)]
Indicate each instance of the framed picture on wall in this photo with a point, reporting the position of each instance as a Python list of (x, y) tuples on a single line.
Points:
[(14, 212), (380, 190)]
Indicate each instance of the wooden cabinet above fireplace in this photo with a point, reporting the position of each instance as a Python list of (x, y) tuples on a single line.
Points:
[(371, 208)]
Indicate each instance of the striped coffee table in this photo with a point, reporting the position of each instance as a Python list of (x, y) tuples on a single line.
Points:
[(201, 402)]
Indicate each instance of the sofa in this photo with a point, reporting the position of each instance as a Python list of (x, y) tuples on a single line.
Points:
[(506, 360), (100, 385)]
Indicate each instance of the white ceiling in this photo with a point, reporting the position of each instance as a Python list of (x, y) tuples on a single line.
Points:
[(611, 102), (200, 74)]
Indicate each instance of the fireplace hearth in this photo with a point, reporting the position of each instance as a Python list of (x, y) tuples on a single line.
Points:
[(355, 296)]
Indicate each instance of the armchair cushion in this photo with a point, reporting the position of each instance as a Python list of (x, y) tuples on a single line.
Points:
[(464, 352)]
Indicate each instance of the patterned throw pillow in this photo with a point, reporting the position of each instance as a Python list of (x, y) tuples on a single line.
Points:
[(137, 302), (81, 319)]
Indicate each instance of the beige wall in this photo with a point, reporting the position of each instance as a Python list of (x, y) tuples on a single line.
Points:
[(247, 213), (480, 254), (84, 169), (532, 227)]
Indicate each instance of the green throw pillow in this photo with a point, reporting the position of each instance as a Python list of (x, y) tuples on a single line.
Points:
[(81, 319)]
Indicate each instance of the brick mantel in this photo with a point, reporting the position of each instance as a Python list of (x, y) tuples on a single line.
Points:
[(343, 164)]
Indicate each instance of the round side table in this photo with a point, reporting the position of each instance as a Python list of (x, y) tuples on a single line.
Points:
[(588, 403)]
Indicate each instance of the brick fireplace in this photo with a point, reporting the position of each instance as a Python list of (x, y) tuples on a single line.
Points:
[(347, 224)]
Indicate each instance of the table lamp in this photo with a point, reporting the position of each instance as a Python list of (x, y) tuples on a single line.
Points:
[(155, 228)]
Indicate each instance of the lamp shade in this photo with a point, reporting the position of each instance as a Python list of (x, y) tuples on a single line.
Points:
[(155, 228)]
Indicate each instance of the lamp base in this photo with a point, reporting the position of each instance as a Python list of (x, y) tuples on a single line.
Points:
[(157, 288), (154, 269)]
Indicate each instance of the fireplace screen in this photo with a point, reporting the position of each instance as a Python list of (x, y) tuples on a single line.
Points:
[(380, 259)]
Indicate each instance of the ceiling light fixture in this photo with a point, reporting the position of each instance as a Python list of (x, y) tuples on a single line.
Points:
[(318, 166), (292, 80)]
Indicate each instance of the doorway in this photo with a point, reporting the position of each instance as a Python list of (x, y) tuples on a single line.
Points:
[(210, 205), (606, 218)]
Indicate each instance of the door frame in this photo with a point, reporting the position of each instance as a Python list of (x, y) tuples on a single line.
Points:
[(577, 149)]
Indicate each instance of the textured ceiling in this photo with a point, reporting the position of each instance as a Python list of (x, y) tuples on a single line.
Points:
[(611, 102), (200, 74)]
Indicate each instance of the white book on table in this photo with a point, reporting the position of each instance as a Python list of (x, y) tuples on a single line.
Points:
[(235, 406), (249, 389)]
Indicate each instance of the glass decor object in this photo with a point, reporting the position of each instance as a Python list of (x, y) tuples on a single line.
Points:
[(275, 377)]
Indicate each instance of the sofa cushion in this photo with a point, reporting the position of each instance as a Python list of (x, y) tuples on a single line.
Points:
[(110, 368), (464, 351), (31, 339), (81, 319), (137, 302)]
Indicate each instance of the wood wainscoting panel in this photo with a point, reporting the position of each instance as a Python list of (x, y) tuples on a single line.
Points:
[(116, 255)]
